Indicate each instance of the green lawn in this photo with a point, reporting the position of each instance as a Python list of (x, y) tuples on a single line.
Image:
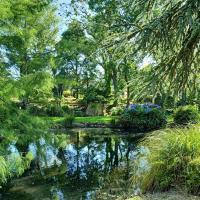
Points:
[(95, 119)]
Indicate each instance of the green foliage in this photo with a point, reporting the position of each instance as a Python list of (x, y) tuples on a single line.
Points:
[(4, 114), (27, 38), (19, 121), (95, 109), (186, 114), (24, 123), (114, 122), (79, 112), (36, 110), (173, 161), (54, 110), (92, 95), (13, 165), (163, 31), (51, 110), (36, 87), (169, 102), (68, 121), (66, 109), (4, 171), (115, 111), (140, 120)]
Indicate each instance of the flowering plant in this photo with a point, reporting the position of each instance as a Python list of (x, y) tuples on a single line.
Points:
[(143, 117), (147, 107)]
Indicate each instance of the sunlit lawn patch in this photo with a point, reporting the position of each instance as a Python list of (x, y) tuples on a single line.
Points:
[(95, 119)]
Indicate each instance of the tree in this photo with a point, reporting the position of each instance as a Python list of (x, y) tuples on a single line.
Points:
[(74, 58), (27, 39), (168, 31)]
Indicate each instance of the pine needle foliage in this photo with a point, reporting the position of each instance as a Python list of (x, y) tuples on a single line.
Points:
[(168, 31)]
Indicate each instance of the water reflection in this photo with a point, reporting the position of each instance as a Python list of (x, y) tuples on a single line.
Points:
[(76, 165)]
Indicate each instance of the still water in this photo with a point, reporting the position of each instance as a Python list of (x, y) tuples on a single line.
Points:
[(85, 164)]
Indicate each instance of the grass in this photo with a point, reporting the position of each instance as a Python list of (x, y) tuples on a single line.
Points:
[(95, 119), (166, 196), (174, 160)]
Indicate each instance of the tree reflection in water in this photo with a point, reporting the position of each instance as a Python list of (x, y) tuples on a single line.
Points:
[(76, 165)]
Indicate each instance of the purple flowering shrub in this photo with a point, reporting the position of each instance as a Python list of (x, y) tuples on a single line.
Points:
[(147, 107), (143, 117)]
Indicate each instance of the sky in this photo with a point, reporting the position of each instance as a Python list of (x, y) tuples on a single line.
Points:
[(65, 13), (63, 7)]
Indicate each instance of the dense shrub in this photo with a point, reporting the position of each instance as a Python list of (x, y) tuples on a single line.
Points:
[(115, 123), (79, 112), (159, 99), (66, 109), (95, 109), (172, 159), (26, 124), (115, 111), (50, 110), (68, 121), (37, 110), (143, 117), (54, 111), (4, 114), (186, 114), (169, 102)]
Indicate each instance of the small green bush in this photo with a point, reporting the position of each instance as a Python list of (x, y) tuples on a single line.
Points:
[(143, 117), (186, 114), (169, 102), (173, 159), (68, 121), (66, 109), (54, 111), (114, 123), (115, 111), (36, 110)]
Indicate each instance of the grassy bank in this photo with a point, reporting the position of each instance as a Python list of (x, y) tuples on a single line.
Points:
[(166, 196), (95, 119), (173, 161)]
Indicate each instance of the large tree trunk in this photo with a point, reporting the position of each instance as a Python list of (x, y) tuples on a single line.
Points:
[(127, 89), (115, 84), (77, 81)]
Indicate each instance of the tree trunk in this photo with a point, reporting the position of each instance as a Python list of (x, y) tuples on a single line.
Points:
[(127, 89)]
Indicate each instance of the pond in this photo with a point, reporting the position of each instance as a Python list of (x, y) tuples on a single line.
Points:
[(83, 165)]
